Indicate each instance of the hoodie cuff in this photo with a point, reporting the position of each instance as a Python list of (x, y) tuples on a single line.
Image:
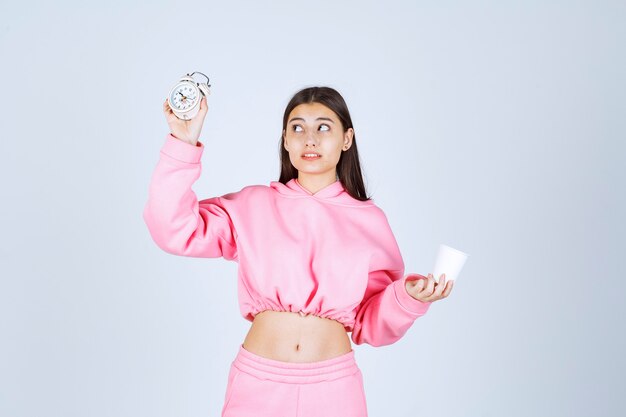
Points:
[(181, 150), (405, 299)]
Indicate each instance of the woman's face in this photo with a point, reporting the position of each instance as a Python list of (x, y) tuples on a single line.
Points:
[(315, 129)]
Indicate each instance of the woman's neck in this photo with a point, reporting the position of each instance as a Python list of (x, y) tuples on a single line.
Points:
[(314, 183)]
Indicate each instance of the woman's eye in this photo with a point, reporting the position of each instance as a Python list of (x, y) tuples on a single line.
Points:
[(296, 127), (324, 125)]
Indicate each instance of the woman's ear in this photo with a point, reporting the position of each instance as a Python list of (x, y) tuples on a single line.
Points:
[(285, 141), (347, 138)]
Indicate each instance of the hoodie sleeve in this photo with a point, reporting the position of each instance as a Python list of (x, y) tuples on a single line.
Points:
[(387, 310), (179, 223)]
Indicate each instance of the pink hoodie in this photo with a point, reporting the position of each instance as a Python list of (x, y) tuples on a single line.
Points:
[(326, 254)]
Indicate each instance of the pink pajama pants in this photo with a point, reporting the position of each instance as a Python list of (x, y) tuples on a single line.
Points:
[(263, 387)]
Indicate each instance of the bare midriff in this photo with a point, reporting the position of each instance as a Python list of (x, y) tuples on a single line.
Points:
[(294, 337)]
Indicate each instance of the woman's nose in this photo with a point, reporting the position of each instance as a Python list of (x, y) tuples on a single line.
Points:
[(311, 139)]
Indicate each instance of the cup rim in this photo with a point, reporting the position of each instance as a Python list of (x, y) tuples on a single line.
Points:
[(453, 249)]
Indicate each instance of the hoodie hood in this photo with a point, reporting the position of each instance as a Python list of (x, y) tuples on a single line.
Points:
[(334, 193)]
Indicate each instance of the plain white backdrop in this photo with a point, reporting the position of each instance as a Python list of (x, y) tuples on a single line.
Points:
[(495, 127)]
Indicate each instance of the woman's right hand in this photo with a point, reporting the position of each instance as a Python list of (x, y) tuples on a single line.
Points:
[(186, 130)]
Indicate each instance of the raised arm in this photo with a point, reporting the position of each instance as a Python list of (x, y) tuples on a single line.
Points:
[(178, 222)]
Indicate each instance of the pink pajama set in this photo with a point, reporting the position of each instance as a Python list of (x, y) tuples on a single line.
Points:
[(322, 253)]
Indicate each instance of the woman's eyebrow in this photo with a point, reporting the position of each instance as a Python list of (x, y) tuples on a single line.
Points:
[(319, 118)]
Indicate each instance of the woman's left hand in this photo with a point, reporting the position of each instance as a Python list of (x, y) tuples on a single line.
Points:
[(427, 290)]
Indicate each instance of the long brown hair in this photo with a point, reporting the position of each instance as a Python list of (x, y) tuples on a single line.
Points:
[(348, 167)]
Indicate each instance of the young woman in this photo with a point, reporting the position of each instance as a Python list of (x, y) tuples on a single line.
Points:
[(316, 259)]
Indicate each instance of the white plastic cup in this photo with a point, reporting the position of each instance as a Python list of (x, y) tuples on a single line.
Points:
[(449, 261)]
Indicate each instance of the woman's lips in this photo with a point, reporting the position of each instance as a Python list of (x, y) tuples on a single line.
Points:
[(310, 158)]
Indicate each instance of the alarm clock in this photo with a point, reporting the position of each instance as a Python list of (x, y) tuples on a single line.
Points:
[(184, 98)]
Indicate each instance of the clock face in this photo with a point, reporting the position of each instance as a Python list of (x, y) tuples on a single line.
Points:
[(184, 96)]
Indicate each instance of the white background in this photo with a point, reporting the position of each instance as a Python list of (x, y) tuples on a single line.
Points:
[(495, 127)]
